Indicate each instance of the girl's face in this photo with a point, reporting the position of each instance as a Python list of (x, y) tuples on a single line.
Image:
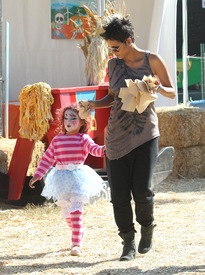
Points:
[(72, 122)]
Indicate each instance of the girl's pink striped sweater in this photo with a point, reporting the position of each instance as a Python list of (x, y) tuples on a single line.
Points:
[(66, 149)]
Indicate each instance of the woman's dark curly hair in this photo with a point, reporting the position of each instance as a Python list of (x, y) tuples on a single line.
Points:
[(119, 29), (60, 113)]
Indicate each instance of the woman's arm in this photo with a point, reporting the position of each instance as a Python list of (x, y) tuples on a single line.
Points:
[(159, 68), (104, 102)]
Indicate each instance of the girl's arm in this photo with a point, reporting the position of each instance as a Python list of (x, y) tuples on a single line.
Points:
[(46, 162), (93, 148), (159, 68)]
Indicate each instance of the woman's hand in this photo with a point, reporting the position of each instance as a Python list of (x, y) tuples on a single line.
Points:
[(91, 104), (160, 70)]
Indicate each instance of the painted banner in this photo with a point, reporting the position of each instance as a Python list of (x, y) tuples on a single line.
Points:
[(69, 19)]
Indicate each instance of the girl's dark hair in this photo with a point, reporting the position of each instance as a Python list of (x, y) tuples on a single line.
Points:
[(119, 29), (60, 129)]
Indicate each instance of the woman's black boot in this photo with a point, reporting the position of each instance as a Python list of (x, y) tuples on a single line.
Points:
[(145, 243), (129, 248)]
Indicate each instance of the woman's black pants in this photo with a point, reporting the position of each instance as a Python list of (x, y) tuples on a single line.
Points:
[(131, 177)]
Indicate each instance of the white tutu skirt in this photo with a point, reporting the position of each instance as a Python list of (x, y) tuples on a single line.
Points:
[(78, 185)]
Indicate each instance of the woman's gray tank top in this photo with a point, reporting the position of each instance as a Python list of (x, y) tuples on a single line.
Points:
[(128, 130)]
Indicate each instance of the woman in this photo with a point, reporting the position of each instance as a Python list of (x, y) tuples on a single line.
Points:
[(132, 137)]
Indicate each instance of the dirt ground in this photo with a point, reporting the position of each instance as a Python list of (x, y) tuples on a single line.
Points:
[(35, 239)]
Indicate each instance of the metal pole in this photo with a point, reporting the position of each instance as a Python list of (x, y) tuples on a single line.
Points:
[(7, 83), (202, 50), (102, 7), (185, 53), (99, 10)]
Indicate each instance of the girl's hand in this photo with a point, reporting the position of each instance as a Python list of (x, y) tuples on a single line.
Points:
[(32, 181)]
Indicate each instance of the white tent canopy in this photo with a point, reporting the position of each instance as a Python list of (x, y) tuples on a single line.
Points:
[(162, 38), (35, 57)]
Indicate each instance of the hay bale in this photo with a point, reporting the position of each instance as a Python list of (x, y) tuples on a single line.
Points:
[(3, 162), (6, 151), (189, 162), (37, 154), (181, 126)]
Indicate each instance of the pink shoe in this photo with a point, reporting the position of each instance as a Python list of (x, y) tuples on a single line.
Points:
[(75, 251)]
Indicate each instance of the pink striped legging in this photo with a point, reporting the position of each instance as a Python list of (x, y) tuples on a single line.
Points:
[(75, 222)]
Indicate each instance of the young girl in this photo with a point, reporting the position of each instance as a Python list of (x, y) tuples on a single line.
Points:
[(70, 183)]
